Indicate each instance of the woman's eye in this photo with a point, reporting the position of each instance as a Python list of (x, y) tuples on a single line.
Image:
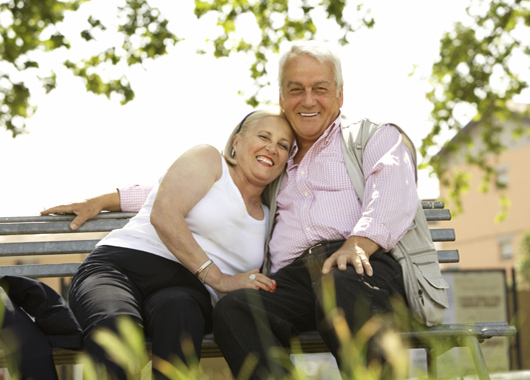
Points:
[(283, 146), (264, 137)]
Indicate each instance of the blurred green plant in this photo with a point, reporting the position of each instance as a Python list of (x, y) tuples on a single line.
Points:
[(522, 264)]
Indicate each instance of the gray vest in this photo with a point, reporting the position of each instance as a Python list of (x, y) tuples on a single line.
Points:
[(424, 284)]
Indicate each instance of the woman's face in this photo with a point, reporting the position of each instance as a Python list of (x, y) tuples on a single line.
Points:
[(263, 151)]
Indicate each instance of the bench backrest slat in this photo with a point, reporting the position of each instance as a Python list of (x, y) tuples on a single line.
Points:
[(449, 256), (40, 270), (85, 246), (65, 217), (105, 222), (69, 269), (38, 248), (60, 227)]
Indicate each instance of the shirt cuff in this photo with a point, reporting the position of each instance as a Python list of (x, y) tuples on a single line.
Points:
[(377, 232), (133, 197)]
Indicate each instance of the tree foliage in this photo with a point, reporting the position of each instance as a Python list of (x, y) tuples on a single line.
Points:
[(478, 72), (28, 27), (475, 70), (278, 21)]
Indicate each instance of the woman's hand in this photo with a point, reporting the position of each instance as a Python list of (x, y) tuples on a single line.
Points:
[(249, 280)]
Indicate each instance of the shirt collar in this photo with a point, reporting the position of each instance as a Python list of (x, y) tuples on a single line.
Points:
[(329, 131)]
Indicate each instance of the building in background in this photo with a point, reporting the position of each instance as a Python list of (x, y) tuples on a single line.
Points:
[(484, 243)]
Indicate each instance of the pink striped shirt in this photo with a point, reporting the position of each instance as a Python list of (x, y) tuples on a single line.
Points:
[(133, 197), (317, 201)]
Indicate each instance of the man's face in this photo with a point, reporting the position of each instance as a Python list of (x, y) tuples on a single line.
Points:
[(310, 99)]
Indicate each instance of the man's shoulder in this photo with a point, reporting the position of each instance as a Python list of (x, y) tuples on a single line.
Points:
[(361, 131)]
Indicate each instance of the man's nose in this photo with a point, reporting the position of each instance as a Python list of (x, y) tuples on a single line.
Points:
[(309, 99)]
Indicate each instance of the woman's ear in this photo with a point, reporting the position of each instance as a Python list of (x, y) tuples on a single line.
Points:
[(236, 142)]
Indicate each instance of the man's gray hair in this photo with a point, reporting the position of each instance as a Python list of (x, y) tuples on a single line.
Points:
[(320, 52)]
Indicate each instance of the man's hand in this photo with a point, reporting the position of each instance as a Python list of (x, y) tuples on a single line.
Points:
[(356, 251), (87, 209)]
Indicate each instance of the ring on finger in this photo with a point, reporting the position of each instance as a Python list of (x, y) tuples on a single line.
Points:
[(252, 276)]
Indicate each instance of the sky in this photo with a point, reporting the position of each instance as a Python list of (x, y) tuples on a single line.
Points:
[(80, 145)]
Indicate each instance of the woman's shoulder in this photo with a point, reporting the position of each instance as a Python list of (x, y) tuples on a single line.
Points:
[(205, 158), (205, 150)]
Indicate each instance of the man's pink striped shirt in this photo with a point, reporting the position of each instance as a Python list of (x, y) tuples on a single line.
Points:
[(317, 201)]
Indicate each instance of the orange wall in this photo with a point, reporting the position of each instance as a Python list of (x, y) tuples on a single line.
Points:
[(476, 229)]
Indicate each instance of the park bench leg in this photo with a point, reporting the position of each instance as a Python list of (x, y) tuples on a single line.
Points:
[(432, 367), (478, 358)]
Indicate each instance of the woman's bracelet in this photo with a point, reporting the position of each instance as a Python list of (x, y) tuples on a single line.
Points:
[(203, 267), (206, 274)]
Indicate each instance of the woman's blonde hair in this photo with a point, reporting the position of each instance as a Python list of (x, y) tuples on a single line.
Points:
[(241, 129)]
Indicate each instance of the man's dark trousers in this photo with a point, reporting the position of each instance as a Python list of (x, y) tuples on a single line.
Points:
[(253, 321)]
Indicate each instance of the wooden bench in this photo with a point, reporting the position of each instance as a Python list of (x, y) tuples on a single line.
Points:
[(435, 340)]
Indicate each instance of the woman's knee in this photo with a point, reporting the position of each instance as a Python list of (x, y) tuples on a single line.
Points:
[(234, 306)]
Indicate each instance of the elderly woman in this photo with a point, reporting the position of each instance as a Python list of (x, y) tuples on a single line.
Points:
[(200, 234)]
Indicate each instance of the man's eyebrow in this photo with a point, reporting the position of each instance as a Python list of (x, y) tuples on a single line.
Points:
[(295, 83)]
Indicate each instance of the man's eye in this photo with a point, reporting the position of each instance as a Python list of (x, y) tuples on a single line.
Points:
[(321, 90), (295, 91)]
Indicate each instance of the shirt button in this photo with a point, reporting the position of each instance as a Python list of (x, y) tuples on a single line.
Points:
[(302, 172), (306, 194), (308, 229)]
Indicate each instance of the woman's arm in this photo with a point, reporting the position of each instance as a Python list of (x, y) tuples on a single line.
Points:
[(186, 182)]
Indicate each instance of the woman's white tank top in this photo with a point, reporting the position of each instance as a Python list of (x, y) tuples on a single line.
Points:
[(219, 222)]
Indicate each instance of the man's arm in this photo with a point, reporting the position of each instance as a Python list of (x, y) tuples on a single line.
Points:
[(87, 209), (129, 199), (389, 204)]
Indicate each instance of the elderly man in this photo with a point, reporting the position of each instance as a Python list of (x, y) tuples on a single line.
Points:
[(322, 229)]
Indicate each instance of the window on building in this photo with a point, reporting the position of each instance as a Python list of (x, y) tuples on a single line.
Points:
[(506, 247), (501, 177)]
